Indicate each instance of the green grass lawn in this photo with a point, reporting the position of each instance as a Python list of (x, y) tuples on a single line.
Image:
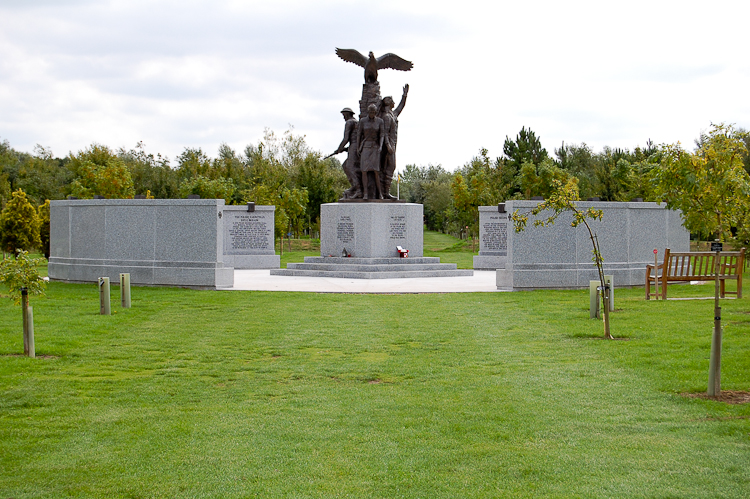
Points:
[(450, 249), (259, 394)]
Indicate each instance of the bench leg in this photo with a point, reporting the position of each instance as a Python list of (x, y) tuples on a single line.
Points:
[(648, 288), (664, 289), (722, 284)]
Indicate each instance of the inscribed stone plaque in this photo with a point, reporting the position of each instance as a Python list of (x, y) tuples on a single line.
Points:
[(397, 227), (249, 237), (249, 232), (493, 234), (345, 229)]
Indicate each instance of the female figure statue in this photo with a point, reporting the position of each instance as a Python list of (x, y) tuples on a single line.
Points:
[(370, 139)]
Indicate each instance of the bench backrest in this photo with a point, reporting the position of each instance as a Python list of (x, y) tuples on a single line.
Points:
[(703, 264)]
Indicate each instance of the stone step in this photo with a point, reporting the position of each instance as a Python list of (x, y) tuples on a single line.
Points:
[(372, 261), (372, 268), (400, 274)]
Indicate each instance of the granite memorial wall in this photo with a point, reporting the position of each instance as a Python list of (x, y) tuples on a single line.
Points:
[(559, 256), (171, 242)]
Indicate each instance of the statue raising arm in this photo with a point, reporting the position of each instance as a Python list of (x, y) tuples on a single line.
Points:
[(401, 104)]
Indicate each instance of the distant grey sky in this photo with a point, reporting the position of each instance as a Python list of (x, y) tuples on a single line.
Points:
[(178, 74)]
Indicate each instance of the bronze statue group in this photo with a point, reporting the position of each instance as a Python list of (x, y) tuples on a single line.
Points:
[(371, 142)]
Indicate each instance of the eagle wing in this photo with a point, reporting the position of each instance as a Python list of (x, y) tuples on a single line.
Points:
[(351, 55), (392, 61)]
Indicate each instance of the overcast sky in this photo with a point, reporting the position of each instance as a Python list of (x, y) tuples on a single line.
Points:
[(178, 74)]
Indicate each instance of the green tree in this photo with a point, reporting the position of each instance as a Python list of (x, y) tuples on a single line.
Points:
[(526, 149), (19, 224), (22, 272), (710, 186), (100, 172), (578, 160), (323, 181), (206, 188), (537, 179), (5, 190), (287, 162), (612, 172), (476, 184), (430, 186), (290, 207), (42, 176), (193, 162), (44, 227), (229, 165), (150, 174), (293, 202), (745, 135)]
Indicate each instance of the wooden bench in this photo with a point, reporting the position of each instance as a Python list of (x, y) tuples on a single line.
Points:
[(698, 266)]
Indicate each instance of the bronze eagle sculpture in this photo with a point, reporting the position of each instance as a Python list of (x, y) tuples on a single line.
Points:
[(371, 64)]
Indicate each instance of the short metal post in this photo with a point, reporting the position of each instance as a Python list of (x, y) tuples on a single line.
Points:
[(125, 290), (714, 366), (25, 313), (656, 274), (104, 308), (608, 281), (30, 327), (594, 299)]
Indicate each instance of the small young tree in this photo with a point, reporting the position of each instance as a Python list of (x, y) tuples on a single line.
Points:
[(562, 199), (22, 272), (19, 224), (21, 275)]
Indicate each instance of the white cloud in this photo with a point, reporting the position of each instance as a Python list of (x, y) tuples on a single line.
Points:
[(179, 74)]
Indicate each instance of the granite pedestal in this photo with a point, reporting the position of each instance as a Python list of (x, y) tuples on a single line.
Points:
[(370, 232), (559, 256), (170, 242), (249, 237)]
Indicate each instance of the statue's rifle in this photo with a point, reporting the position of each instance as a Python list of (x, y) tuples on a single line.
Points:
[(334, 154)]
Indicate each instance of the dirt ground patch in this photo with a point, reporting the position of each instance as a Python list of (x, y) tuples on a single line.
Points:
[(727, 396)]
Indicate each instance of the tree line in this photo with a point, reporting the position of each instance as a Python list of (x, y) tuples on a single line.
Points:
[(278, 170), (710, 183)]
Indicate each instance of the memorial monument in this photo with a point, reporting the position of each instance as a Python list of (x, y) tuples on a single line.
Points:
[(381, 164), (360, 235)]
